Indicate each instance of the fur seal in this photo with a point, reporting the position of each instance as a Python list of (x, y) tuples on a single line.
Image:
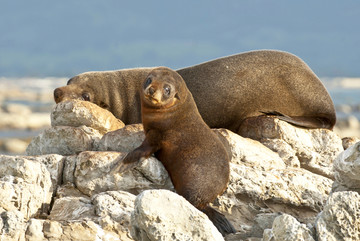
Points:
[(194, 156), (226, 91)]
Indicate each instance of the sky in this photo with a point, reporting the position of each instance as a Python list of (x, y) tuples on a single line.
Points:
[(63, 38)]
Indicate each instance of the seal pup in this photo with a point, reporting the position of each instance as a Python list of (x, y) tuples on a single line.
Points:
[(194, 156), (226, 91)]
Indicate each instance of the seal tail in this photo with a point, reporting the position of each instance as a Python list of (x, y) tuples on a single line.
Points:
[(219, 220)]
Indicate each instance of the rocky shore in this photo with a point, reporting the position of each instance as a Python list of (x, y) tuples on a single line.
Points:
[(286, 183)]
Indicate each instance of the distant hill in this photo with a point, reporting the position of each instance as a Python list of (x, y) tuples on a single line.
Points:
[(64, 38)]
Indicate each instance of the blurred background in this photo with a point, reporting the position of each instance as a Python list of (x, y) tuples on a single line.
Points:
[(43, 43)]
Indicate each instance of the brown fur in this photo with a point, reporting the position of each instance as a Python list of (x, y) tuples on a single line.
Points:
[(193, 155), (226, 90)]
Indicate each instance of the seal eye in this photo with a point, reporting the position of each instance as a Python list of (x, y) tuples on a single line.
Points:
[(167, 90), (85, 96), (147, 82)]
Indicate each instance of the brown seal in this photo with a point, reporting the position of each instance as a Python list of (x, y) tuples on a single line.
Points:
[(194, 156), (226, 91)]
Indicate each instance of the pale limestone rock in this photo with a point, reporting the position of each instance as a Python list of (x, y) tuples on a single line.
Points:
[(315, 148), (262, 222), (340, 219), (25, 185), (164, 215), (34, 231), (12, 225), (69, 168), (287, 228), (83, 230), (285, 151), (63, 140), (249, 152), (123, 140), (287, 190), (347, 167), (106, 216), (77, 113), (114, 209), (72, 208), (349, 141), (92, 174)]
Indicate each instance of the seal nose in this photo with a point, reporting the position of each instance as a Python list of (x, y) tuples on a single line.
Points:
[(58, 95)]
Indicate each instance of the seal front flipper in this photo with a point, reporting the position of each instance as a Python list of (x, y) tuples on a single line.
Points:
[(133, 158)]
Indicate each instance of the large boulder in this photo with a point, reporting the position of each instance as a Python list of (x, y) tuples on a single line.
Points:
[(164, 215), (347, 168), (316, 149), (63, 140), (77, 113), (287, 228), (92, 174), (27, 184)]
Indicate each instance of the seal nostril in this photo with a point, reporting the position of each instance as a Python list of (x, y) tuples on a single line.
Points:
[(58, 94)]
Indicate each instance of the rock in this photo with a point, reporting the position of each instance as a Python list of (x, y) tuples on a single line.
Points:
[(123, 140), (92, 174), (12, 225), (278, 190), (340, 219), (70, 230), (347, 167), (262, 222), (249, 152), (349, 141), (63, 140), (25, 185), (287, 228), (106, 216), (77, 113), (164, 215), (114, 209), (315, 148), (72, 208)]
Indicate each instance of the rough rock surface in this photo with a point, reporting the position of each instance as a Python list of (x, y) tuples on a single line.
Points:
[(347, 167), (287, 228), (178, 221), (72, 196), (92, 174), (77, 113), (315, 148), (340, 219), (123, 140), (63, 140)]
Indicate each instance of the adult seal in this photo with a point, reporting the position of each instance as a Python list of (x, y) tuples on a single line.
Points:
[(226, 91), (193, 155)]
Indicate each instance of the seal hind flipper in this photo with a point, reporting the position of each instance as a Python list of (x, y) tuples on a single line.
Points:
[(219, 220), (301, 121)]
